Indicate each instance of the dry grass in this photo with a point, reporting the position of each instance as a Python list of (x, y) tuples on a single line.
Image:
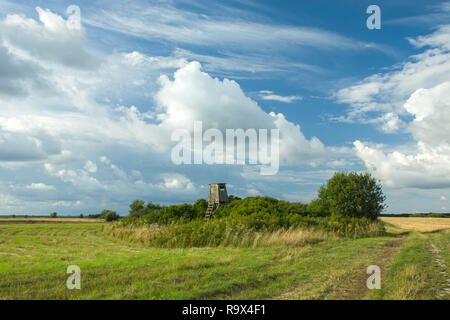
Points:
[(418, 223), (149, 234), (47, 220)]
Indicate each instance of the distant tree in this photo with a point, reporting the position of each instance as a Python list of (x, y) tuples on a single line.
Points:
[(111, 216), (81, 216), (53, 215), (105, 213), (352, 194), (153, 206), (137, 208)]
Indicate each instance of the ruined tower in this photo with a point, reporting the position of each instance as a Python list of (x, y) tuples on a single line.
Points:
[(217, 195)]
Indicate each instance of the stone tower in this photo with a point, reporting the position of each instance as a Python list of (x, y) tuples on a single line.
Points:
[(217, 195)]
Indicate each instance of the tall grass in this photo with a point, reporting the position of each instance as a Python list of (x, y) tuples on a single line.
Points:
[(229, 232)]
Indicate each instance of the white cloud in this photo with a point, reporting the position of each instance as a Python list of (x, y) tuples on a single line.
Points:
[(40, 186), (384, 95), (53, 136), (268, 95), (90, 167), (194, 95), (177, 181), (51, 39), (166, 22), (443, 198), (428, 164), (418, 88)]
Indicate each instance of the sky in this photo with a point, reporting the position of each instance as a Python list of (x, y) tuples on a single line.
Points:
[(87, 111)]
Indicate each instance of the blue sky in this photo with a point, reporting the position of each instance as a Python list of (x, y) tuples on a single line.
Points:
[(86, 114)]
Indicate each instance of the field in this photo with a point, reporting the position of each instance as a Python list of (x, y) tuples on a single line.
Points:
[(47, 220), (34, 259), (419, 224)]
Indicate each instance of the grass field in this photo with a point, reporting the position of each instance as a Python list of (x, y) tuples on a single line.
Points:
[(47, 220), (34, 259)]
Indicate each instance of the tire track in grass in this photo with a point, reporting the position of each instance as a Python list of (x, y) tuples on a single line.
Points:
[(350, 282), (437, 258)]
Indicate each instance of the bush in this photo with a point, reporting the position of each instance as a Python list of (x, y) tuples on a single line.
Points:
[(53, 215), (260, 220), (230, 231)]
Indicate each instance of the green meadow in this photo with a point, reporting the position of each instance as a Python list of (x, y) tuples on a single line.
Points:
[(34, 260)]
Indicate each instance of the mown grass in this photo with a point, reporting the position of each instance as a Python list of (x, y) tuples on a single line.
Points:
[(414, 273), (48, 220), (34, 259)]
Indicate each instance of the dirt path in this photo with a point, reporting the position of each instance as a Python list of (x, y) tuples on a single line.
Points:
[(436, 252)]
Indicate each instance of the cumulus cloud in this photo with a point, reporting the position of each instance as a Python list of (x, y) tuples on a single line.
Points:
[(18, 146), (91, 151), (427, 165), (90, 166), (52, 39), (419, 89), (384, 95), (194, 95), (177, 181)]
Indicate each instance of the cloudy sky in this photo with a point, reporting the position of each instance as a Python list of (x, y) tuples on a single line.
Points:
[(86, 114)]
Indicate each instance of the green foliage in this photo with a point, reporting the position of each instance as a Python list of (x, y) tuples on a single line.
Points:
[(232, 198), (347, 206), (139, 209), (200, 207), (53, 215), (351, 194), (174, 214), (109, 215), (318, 207)]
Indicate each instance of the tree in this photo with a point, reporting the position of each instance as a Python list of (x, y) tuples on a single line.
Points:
[(352, 194), (153, 206), (53, 215), (137, 208), (111, 216)]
